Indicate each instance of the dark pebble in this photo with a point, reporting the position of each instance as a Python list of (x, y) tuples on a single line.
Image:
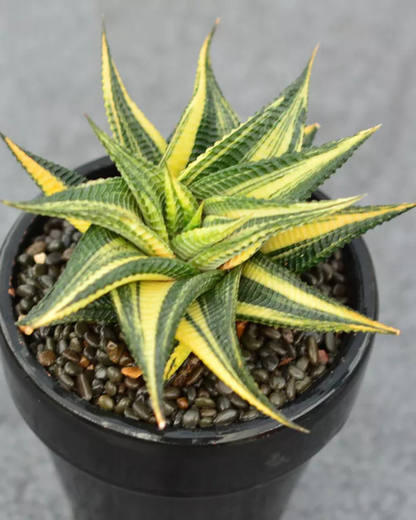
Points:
[(226, 417), (53, 259), (313, 349), (277, 398), (47, 358), (114, 374), (208, 412), (97, 387), (223, 403), (205, 422), (47, 281), (171, 392), (302, 363), (249, 415), (122, 405), (301, 386), (26, 291), (67, 381), (238, 402), (106, 403), (194, 376), (271, 332), (36, 248), (25, 260), (102, 357), (260, 375), (270, 363), (92, 339), (223, 389), (276, 382), (317, 371), (71, 355), (291, 388), (110, 388), (84, 387), (81, 328), (295, 372), (190, 418), (141, 410), (331, 343), (132, 384), (204, 402), (72, 369)]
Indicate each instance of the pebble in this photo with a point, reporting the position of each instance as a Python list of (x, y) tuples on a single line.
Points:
[(84, 387), (106, 402), (47, 358), (277, 398), (226, 417), (331, 343), (190, 418)]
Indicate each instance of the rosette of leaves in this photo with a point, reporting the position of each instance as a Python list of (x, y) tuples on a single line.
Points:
[(212, 226)]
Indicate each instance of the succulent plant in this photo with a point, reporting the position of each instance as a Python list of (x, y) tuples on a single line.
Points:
[(212, 226)]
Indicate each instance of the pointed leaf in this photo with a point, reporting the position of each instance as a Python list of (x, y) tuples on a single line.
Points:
[(129, 125), (305, 246), (272, 295), (50, 177), (105, 202), (178, 357), (206, 119), (180, 205), (98, 310), (293, 176), (273, 131), (208, 329), (149, 314), (191, 243), (101, 262), (309, 135), (144, 180), (265, 218)]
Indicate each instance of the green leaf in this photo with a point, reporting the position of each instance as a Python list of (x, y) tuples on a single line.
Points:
[(106, 202), (101, 262), (144, 180), (100, 310), (293, 176), (129, 125), (264, 218), (206, 119), (272, 295), (149, 314), (309, 135), (180, 205), (50, 177), (190, 243), (208, 329), (273, 131), (305, 246)]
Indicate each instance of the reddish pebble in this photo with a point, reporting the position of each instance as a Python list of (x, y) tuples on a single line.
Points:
[(182, 403), (241, 327), (84, 362), (323, 357)]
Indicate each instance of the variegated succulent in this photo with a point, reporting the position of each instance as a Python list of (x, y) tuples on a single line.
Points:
[(212, 226)]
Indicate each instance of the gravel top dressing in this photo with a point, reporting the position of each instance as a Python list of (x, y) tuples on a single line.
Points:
[(93, 361)]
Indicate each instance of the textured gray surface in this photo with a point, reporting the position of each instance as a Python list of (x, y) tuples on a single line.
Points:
[(365, 74)]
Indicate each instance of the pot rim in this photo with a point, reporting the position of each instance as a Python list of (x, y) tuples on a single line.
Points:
[(299, 410)]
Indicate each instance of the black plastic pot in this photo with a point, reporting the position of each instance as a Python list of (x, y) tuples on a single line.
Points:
[(117, 468)]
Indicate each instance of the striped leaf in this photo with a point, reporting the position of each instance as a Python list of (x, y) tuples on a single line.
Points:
[(180, 205), (149, 314), (105, 202), (273, 131), (190, 243), (309, 135), (129, 125), (206, 119), (293, 176), (208, 329), (178, 357), (100, 310), (50, 177), (144, 180), (272, 295), (305, 246), (265, 218), (101, 262)]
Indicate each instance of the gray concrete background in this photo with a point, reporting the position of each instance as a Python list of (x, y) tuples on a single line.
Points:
[(365, 74)]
